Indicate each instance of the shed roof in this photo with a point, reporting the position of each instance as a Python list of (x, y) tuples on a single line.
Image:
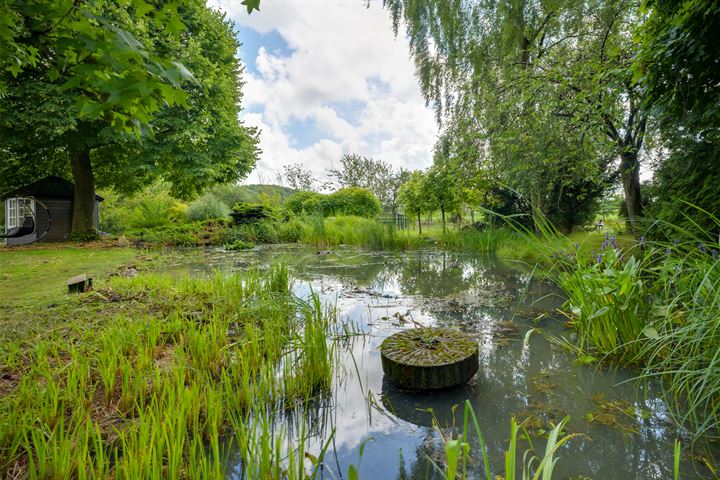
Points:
[(48, 187)]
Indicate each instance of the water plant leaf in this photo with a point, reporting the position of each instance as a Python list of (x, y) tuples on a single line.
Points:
[(352, 473), (585, 359), (651, 333)]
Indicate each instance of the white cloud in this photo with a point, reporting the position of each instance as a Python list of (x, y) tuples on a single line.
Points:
[(342, 52)]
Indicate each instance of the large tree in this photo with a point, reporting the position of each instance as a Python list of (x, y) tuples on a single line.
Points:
[(111, 99), (677, 66), (542, 87)]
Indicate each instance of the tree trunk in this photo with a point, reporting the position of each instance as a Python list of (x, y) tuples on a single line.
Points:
[(83, 218), (419, 223), (442, 213), (630, 174)]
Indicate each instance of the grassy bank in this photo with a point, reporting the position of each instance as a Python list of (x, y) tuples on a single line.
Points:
[(143, 376), (37, 275)]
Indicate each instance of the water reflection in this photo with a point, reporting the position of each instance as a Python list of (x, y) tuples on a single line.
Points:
[(381, 293)]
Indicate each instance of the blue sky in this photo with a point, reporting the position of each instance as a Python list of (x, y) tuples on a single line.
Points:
[(325, 79)]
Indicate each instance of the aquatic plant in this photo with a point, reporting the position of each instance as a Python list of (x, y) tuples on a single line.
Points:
[(146, 386)]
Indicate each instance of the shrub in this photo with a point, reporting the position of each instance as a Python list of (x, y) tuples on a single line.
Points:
[(151, 208), (183, 234), (251, 212), (347, 201), (207, 207), (303, 203), (355, 201)]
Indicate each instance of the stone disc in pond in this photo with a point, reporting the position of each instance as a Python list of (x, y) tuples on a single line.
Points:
[(429, 358)]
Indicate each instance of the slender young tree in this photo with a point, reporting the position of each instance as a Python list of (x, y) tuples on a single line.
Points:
[(414, 196)]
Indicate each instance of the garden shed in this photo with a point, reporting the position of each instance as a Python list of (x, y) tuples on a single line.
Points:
[(47, 206)]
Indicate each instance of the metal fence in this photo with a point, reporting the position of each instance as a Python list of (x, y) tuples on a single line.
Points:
[(398, 220)]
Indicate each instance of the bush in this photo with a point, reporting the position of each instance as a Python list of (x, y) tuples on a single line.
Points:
[(151, 208), (352, 201), (304, 203), (207, 207), (251, 212), (183, 234)]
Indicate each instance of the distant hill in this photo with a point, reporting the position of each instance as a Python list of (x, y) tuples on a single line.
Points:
[(232, 194)]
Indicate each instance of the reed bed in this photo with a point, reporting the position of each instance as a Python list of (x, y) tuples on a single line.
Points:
[(151, 392), (654, 303)]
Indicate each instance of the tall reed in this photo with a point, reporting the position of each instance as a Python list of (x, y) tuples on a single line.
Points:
[(148, 391)]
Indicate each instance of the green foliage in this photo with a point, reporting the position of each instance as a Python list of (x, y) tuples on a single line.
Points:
[(414, 194), (303, 203), (152, 389), (374, 175), (347, 201), (355, 201), (207, 207), (684, 192), (677, 67), (487, 240), (83, 104), (272, 195), (121, 79), (265, 231), (654, 304), (191, 234), (677, 63), (238, 245), (532, 96), (457, 451), (251, 213), (153, 207), (81, 237), (347, 230), (607, 301)]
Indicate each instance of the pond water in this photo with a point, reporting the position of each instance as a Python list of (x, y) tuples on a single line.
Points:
[(625, 429)]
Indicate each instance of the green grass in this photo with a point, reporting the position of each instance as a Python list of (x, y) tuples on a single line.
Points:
[(145, 381), (33, 276)]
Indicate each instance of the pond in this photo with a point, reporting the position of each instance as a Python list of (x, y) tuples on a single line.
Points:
[(625, 429)]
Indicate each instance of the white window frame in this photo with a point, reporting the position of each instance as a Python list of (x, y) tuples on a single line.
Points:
[(14, 210)]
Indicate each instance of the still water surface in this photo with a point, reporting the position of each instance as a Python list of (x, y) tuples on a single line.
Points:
[(624, 427)]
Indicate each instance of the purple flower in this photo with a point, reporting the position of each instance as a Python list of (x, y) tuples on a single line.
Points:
[(577, 246), (599, 258), (604, 245), (676, 241), (614, 243), (642, 241), (667, 251), (714, 253), (702, 248)]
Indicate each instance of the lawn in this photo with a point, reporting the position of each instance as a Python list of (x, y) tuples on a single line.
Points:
[(33, 284)]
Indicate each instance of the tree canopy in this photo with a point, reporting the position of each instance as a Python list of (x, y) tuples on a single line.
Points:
[(537, 93), (109, 97)]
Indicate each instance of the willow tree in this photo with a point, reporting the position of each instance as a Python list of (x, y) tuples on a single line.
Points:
[(103, 92), (540, 86)]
